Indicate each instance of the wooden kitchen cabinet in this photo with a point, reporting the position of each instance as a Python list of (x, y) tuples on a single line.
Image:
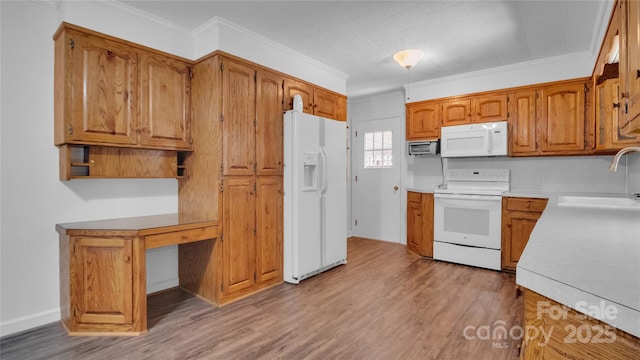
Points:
[(238, 238), (630, 65), (456, 112), (423, 120), (112, 92), (519, 216), (239, 147), (551, 119), (315, 100), (92, 162), (238, 118), (270, 127), (420, 223), (269, 229), (609, 135), (165, 102), (96, 89), (489, 107), (103, 270), (562, 117), (522, 123)]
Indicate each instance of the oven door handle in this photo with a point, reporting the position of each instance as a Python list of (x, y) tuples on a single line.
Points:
[(468, 197)]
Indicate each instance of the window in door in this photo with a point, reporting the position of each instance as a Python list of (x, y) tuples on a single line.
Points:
[(378, 150)]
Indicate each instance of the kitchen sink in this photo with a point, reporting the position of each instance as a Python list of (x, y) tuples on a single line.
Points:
[(603, 202)]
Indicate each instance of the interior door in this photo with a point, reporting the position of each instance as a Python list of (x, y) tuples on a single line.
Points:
[(376, 192)]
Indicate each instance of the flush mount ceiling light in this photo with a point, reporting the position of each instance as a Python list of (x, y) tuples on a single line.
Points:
[(408, 58)]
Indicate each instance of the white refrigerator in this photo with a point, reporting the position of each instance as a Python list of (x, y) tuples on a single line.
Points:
[(315, 195)]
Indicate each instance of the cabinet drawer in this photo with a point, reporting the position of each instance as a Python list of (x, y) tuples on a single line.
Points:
[(526, 204), (414, 197), (180, 237)]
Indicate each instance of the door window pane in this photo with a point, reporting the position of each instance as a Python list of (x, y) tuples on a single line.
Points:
[(378, 150)]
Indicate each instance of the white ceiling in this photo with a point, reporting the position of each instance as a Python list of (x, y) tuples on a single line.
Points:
[(360, 37)]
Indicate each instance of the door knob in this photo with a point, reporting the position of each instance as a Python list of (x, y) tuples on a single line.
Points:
[(395, 188)]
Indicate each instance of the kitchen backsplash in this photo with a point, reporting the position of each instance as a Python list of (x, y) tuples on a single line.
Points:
[(556, 174), (633, 180)]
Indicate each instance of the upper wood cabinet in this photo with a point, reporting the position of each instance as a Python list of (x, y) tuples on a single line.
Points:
[(165, 99), (488, 108), (609, 136), (96, 90), (269, 126), (562, 117), (238, 118), (456, 112), (475, 109), (115, 93), (315, 101), (423, 120), (522, 122), (550, 119), (630, 64)]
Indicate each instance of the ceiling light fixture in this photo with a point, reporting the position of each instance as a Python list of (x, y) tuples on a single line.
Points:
[(408, 58)]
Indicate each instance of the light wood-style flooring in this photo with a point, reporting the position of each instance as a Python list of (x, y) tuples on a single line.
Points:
[(386, 303)]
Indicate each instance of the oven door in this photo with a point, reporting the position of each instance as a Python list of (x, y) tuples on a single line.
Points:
[(470, 220)]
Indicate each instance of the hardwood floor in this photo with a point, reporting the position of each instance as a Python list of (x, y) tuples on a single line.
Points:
[(386, 303)]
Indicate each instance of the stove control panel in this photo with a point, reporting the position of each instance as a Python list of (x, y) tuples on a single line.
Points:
[(501, 175)]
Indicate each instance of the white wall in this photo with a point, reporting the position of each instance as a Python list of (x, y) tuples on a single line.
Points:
[(633, 177)]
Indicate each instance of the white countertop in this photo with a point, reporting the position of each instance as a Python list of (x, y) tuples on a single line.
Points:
[(587, 259)]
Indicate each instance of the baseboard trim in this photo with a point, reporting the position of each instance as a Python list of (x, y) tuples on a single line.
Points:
[(29, 322)]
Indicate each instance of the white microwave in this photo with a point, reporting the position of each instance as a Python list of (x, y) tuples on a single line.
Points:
[(484, 139)]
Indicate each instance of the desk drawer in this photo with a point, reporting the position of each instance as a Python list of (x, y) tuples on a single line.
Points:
[(180, 237)]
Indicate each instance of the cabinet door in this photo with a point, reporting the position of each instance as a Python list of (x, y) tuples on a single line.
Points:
[(517, 227), (238, 224), (423, 121), (291, 88), (103, 79), (238, 125), (269, 126), (608, 127), (165, 104), (522, 122), (562, 117), (269, 223), (328, 105), (630, 62), (414, 222), (456, 112), (102, 287), (489, 108)]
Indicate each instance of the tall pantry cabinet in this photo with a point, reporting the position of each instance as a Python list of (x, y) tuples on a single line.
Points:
[(239, 111)]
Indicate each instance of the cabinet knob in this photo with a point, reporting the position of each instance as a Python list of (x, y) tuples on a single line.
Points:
[(92, 161), (395, 188)]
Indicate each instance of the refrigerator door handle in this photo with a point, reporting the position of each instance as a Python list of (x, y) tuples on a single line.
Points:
[(323, 155)]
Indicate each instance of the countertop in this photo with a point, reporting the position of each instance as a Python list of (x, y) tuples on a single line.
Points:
[(587, 259)]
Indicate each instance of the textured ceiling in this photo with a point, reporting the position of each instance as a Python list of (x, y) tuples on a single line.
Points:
[(360, 37)]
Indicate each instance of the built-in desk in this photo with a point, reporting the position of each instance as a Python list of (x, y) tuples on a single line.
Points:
[(103, 268)]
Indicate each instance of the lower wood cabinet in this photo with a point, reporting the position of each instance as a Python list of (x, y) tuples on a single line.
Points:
[(519, 216), (420, 223), (252, 235), (103, 269)]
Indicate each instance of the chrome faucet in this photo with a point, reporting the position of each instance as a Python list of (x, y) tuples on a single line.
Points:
[(614, 164)]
